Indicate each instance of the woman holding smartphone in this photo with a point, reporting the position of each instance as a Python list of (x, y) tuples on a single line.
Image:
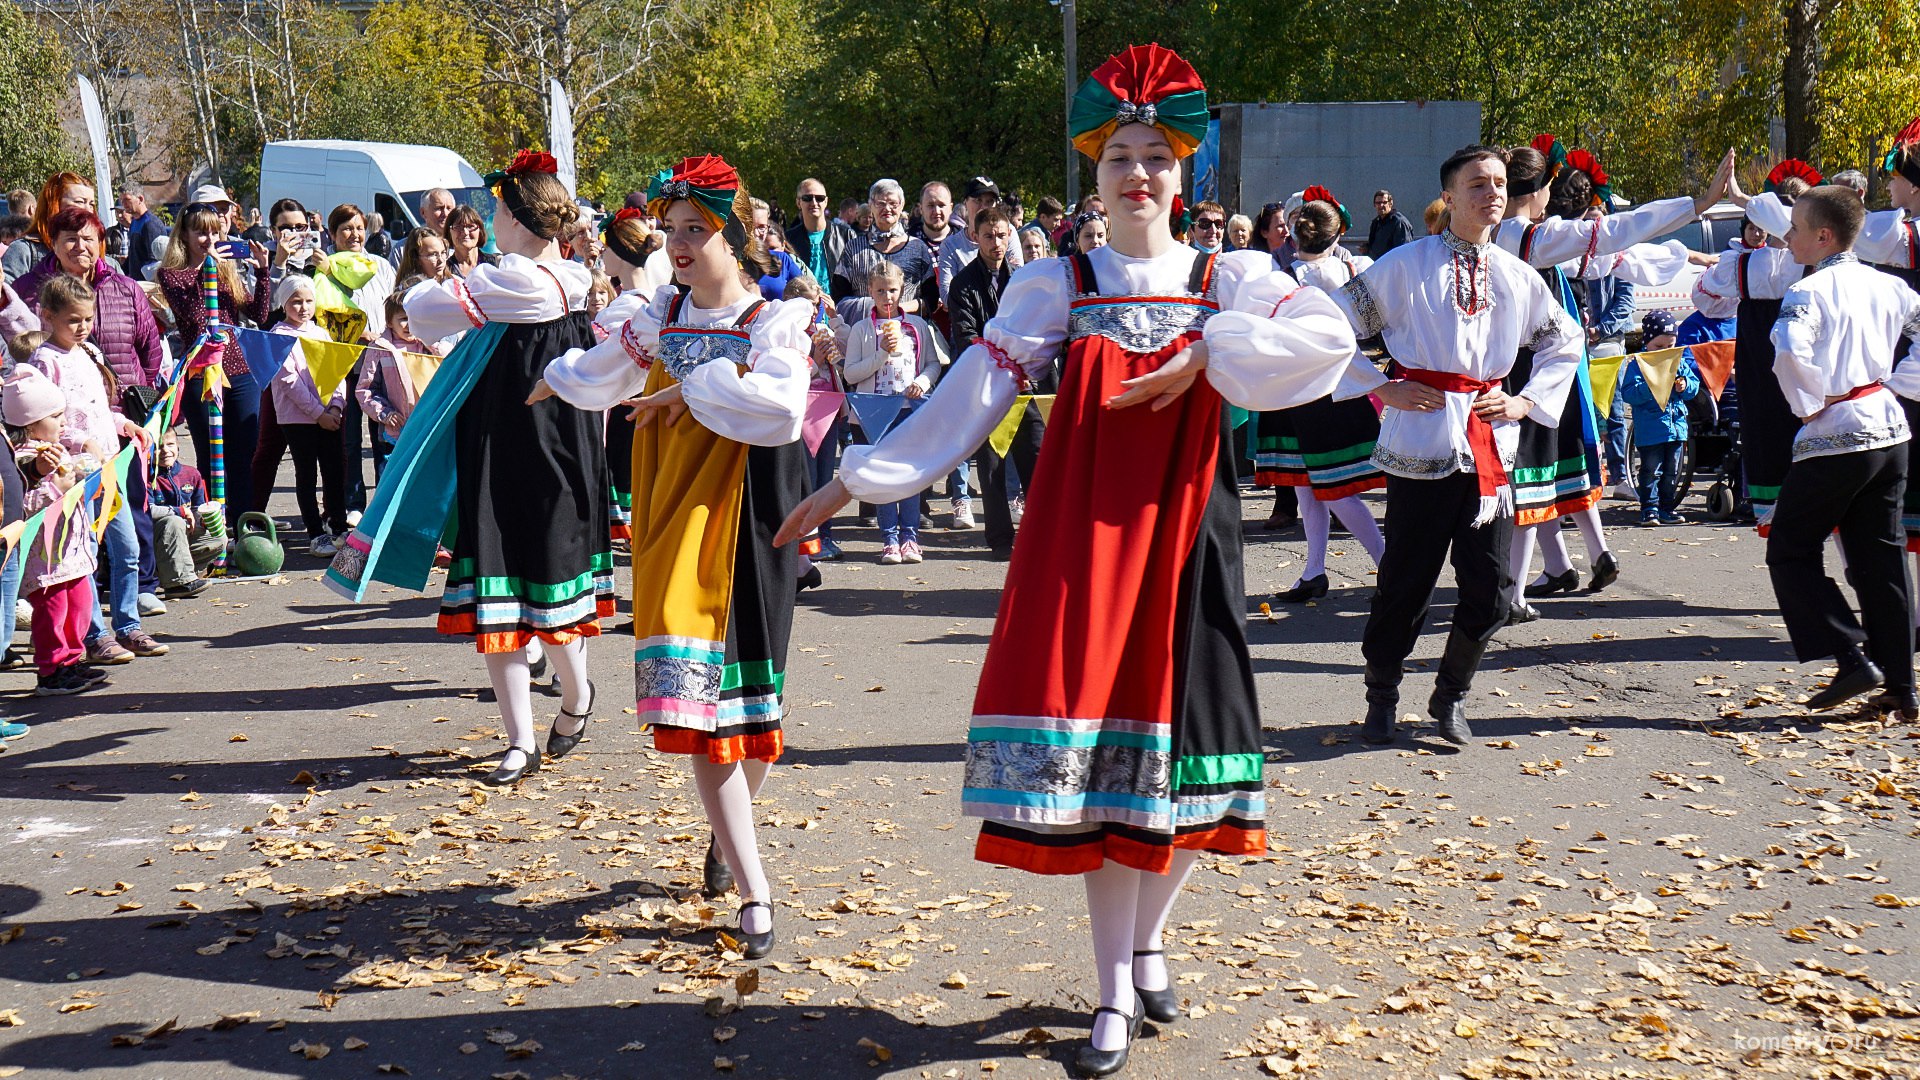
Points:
[(241, 303)]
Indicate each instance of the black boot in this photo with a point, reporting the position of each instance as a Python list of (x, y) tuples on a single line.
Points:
[(1856, 676), (1448, 703), (1383, 705)]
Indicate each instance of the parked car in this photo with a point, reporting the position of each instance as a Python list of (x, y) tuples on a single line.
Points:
[(384, 178), (1709, 235)]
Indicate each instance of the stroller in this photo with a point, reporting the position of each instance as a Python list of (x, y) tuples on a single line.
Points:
[(1712, 450)]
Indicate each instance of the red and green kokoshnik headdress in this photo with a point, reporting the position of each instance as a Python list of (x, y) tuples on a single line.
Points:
[(1146, 84), (708, 182)]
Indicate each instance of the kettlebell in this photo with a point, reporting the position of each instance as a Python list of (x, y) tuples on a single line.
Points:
[(256, 550)]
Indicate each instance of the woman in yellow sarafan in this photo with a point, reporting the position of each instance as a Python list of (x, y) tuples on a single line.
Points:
[(717, 464)]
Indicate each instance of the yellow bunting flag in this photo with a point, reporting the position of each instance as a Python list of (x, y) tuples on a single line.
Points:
[(1002, 438), (1603, 375), (1659, 369), (329, 361), (420, 368), (1044, 402)]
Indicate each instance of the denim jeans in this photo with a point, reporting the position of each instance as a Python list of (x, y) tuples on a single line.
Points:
[(1616, 440), (121, 567), (900, 521), (821, 466), (10, 593), (1659, 478)]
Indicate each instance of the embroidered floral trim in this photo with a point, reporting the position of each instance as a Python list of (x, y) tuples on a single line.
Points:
[(1843, 442), (630, 342), (1802, 312), (677, 678), (1555, 330), (1421, 468), (1365, 309), (1006, 363), (1838, 258), (681, 353), (1135, 324), (475, 314)]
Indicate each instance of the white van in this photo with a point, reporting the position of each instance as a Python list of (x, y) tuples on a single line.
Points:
[(382, 178)]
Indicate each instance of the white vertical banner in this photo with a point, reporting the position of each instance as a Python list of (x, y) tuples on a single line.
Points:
[(560, 134), (103, 191)]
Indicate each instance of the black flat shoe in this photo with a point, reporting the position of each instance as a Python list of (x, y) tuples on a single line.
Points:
[(1847, 685), (1091, 1062), (1568, 582), (809, 580), (559, 745), (717, 877), (1312, 588), (1522, 613), (1606, 571), (1279, 524), (1159, 1006), (755, 946), (1902, 703), (504, 776)]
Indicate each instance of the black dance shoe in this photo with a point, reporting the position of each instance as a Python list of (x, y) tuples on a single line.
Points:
[(1091, 1062), (1856, 676), (1312, 588), (505, 776), (1159, 1006), (560, 745), (755, 946), (718, 878), (1568, 582), (809, 580), (1606, 571), (1522, 612), (1903, 703)]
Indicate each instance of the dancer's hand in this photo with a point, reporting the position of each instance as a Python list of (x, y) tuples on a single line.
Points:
[(813, 511), (1495, 404), (668, 405), (1734, 194), (1164, 386), (541, 392), (1409, 396), (1724, 186)]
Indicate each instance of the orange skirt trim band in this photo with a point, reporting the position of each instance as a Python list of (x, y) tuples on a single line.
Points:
[(723, 750)]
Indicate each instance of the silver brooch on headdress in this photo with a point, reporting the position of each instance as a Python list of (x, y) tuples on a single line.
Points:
[(1129, 113), (676, 189)]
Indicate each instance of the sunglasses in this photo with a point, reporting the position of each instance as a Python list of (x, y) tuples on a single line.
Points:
[(296, 228), (1209, 223), (813, 198), (197, 207)]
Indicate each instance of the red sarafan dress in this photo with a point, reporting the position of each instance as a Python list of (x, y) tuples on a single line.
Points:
[(1115, 717)]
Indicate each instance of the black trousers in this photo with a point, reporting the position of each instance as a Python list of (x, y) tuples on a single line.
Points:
[(992, 469), (1427, 519), (316, 449), (1859, 494)]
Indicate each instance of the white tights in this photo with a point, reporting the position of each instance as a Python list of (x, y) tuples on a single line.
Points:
[(511, 686), (1316, 518), (727, 792), (1128, 909)]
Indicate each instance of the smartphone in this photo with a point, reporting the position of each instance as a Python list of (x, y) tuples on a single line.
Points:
[(237, 250)]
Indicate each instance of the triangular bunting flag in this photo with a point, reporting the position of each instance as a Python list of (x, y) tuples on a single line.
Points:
[(329, 361), (1044, 402), (420, 369), (822, 407), (1001, 440), (1236, 416), (1603, 375), (264, 352), (1714, 359), (879, 412), (1659, 369)]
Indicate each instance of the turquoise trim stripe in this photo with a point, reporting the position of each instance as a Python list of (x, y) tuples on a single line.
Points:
[(1108, 799), (1140, 740), (670, 650)]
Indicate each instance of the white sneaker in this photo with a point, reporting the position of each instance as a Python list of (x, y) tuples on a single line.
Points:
[(963, 513), (150, 605), (22, 614), (890, 555), (353, 518), (1017, 508), (910, 553), (323, 547)]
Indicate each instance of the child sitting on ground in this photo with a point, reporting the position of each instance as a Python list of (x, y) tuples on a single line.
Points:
[(181, 514)]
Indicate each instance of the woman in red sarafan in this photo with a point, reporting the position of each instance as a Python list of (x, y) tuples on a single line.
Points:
[(1115, 731)]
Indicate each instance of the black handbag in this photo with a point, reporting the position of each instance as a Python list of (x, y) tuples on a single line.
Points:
[(137, 402)]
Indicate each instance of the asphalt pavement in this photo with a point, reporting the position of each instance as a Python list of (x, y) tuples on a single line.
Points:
[(265, 855)]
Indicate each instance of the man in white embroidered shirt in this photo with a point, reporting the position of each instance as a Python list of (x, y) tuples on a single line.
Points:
[(1833, 351), (1455, 311)]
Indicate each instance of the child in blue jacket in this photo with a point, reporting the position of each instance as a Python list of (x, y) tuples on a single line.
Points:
[(1659, 433)]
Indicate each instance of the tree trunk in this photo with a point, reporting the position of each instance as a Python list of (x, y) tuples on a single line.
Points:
[(1801, 76)]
